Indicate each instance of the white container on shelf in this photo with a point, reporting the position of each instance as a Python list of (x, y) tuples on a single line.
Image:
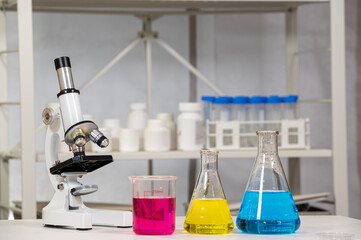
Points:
[(129, 140), (170, 124), (156, 136), (96, 148), (114, 125), (137, 119), (190, 130)]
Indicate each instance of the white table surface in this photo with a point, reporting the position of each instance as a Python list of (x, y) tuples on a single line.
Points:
[(33, 229)]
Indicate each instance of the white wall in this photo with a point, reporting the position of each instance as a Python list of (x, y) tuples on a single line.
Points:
[(242, 53)]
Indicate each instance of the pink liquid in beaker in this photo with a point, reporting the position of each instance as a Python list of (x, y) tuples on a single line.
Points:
[(153, 216)]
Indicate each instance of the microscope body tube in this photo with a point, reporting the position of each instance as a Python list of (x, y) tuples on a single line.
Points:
[(70, 109)]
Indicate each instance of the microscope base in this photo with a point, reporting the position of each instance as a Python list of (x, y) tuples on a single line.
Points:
[(85, 218)]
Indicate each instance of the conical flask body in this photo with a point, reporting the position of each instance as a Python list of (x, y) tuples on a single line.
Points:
[(268, 206), (208, 211)]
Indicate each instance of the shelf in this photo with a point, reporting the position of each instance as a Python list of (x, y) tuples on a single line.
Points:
[(167, 7), (311, 153)]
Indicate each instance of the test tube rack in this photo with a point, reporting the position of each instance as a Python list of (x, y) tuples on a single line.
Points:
[(233, 135)]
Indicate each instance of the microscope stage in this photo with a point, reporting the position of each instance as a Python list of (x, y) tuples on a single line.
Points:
[(81, 164)]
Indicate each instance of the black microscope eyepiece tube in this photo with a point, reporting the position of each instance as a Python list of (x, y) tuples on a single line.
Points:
[(62, 62), (65, 76)]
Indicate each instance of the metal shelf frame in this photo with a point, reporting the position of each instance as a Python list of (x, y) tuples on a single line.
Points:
[(28, 155)]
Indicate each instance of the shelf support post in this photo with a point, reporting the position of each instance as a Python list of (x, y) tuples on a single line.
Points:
[(26, 67), (192, 174), (338, 92), (147, 29), (294, 165), (4, 133)]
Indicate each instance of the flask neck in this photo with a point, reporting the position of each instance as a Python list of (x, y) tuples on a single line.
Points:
[(209, 160), (267, 142)]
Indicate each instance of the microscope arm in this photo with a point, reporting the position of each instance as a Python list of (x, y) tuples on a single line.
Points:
[(54, 134)]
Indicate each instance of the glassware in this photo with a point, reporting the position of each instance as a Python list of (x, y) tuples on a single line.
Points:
[(208, 211), (273, 112), (268, 206), (223, 108), (256, 116), (208, 107), (289, 107), (154, 206)]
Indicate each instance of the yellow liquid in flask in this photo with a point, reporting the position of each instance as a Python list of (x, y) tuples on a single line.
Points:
[(208, 216)]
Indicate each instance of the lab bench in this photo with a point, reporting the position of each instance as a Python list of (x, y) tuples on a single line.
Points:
[(310, 227)]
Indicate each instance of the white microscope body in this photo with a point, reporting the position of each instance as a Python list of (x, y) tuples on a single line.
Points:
[(66, 209)]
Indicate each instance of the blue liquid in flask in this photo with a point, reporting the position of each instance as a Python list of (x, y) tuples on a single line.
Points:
[(271, 212)]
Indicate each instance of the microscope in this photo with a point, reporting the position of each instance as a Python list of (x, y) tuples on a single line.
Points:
[(65, 123)]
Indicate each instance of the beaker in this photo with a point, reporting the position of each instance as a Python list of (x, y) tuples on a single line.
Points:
[(208, 211), (154, 199), (268, 206)]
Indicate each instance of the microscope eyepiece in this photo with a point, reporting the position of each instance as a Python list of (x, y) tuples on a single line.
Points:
[(62, 62)]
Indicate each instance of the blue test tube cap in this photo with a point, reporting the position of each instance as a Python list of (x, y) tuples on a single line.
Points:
[(208, 98), (223, 100), (240, 100), (274, 99), (256, 100), (290, 99)]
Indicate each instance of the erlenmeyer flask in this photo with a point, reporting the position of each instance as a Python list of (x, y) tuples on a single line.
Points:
[(268, 206), (208, 211)]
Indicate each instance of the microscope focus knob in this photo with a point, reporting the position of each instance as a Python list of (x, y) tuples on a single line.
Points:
[(84, 190), (48, 116)]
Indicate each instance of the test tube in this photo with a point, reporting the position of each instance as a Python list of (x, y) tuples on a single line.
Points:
[(240, 114), (273, 112), (208, 107), (240, 108), (257, 116), (289, 107), (223, 108)]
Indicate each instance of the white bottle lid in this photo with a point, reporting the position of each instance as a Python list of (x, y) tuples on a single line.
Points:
[(190, 107), (156, 123), (165, 116), (138, 106)]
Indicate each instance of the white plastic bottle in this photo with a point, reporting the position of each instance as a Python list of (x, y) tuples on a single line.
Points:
[(137, 119), (170, 124), (156, 136), (190, 130), (129, 140), (114, 125)]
